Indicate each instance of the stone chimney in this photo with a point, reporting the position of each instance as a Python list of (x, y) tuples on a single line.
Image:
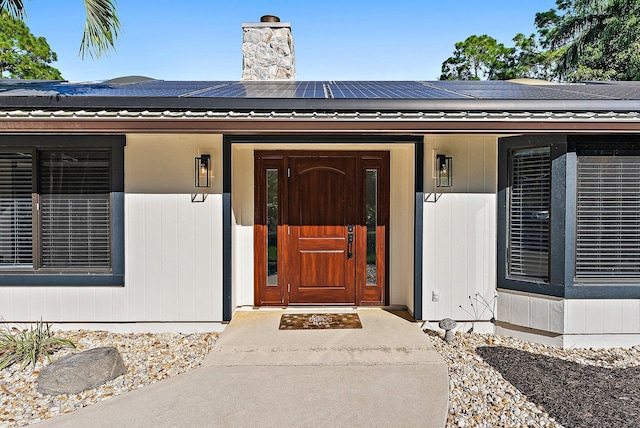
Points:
[(267, 50)]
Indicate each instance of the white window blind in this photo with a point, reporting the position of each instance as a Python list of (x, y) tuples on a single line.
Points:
[(16, 220), (528, 214), (608, 217), (75, 209)]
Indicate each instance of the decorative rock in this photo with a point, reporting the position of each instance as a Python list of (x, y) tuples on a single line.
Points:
[(78, 372), (267, 51), (447, 325)]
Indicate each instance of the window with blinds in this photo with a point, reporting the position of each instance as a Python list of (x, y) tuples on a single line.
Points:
[(528, 214), (74, 197), (608, 218), (16, 208), (70, 201)]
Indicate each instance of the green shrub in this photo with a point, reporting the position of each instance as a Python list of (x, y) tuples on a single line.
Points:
[(28, 345)]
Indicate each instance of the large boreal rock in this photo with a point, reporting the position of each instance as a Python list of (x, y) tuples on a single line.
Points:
[(78, 372)]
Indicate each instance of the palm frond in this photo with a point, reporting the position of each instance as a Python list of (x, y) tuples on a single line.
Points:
[(14, 7), (101, 28)]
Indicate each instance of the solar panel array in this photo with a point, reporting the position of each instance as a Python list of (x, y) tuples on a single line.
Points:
[(409, 90)]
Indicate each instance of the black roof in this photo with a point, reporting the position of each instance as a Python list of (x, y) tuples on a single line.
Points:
[(144, 93)]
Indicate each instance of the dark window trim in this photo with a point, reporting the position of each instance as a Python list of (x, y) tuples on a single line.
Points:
[(115, 144), (564, 149)]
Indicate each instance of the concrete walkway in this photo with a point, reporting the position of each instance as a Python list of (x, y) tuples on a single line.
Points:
[(385, 374)]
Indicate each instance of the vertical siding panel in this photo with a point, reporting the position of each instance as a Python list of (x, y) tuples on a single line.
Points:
[(53, 310), (474, 250), (136, 260), (489, 243), (594, 322), (428, 264), (612, 315), (216, 263), (575, 313), (490, 165), (37, 303), (476, 157), (153, 225), (7, 311), (539, 317), (169, 308), (87, 304), (443, 260), (21, 304), (186, 257), (556, 315), (429, 307), (70, 304), (104, 304), (120, 302), (503, 307), (519, 309), (630, 312), (203, 260), (458, 236)]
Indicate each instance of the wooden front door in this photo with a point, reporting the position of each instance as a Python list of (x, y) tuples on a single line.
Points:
[(320, 257), (321, 228)]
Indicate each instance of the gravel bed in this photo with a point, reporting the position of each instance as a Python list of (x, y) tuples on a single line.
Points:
[(494, 381), (148, 358), (546, 386)]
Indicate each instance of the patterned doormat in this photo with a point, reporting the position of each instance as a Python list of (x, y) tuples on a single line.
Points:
[(319, 321)]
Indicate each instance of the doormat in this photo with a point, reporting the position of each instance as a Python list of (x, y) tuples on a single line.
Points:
[(319, 321)]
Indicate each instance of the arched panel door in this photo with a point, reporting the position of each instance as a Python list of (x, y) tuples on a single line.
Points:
[(321, 257)]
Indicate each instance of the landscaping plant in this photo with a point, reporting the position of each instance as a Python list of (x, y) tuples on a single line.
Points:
[(28, 345)]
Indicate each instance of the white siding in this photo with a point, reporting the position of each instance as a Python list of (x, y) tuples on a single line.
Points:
[(533, 311), (173, 247), (606, 316), (459, 258)]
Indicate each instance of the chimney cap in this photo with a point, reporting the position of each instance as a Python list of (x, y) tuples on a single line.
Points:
[(269, 18)]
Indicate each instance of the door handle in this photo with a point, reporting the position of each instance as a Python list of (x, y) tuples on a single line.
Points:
[(350, 241)]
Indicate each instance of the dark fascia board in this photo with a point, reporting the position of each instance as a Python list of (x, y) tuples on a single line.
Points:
[(319, 105)]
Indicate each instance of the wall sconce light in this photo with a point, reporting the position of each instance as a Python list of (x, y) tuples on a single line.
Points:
[(202, 170), (444, 171)]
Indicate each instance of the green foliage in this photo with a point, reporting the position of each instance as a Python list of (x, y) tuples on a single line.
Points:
[(477, 58), (23, 55), (599, 39), (100, 29), (28, 345), (580, 40)]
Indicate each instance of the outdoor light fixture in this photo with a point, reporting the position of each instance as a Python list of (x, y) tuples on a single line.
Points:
[(444, 171), (202, 170)]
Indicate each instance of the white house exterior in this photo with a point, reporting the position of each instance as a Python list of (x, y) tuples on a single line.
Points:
[(175, 263)]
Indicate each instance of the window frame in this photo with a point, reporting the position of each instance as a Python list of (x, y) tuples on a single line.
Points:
[(509, 226), (565, 150), (74, 276)]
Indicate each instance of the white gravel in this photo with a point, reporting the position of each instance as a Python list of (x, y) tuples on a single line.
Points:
[(478, 396), (148, 358)]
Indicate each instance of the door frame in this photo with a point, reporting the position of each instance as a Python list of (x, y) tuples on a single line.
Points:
[(366, 160), (329, 136)]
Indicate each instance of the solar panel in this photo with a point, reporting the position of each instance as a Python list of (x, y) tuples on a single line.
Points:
[(620, 91), (273, 89), (409, 90), (388, 89), (496, 89)]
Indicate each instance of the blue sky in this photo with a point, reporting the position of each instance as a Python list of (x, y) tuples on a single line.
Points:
[(334, 40)]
